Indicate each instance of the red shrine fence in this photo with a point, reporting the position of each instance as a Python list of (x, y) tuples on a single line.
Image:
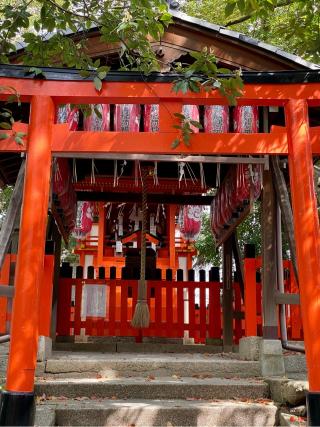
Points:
[(104, 307)]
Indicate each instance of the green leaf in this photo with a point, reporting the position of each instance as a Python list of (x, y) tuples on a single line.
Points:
[(102, 75), (4, 136), (84, 73), (180, 116), (5, 125), (21, 134), (35, 70), (175, 143), (196, 124), (97, 84), (194, 87), (229, 9), (18, 140)]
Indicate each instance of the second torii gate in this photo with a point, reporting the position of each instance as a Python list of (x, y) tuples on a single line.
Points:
[(46, 139)]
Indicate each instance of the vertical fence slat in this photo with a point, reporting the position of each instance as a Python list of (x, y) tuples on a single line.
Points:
[(203, 312), (112, 308), (123, 310), (64, 307), (180, 308), (158, 308), (192, 312), (77, 306), (169, 310)]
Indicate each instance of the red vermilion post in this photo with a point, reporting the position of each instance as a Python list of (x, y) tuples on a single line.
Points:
[(250, 305), (30, 262), (306, 230)]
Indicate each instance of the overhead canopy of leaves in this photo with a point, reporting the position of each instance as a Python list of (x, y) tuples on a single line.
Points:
[(293, 25), (131, 23)]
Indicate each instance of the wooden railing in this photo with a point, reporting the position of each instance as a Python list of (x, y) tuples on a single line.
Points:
[(175, 307)]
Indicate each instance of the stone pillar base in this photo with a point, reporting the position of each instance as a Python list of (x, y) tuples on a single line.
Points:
[(271, 358), (44, 348), (249, 348)]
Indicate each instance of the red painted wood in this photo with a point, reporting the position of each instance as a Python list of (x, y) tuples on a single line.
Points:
[(123, 309), (192, 314), (203, 313), (112, 308), (64, 307), (170, 327), (77, 307)]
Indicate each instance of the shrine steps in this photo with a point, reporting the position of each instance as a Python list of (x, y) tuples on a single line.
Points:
[(136, 413), (152, 390), (114, 365)]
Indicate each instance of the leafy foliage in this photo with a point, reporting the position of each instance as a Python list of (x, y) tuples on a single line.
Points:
[(185, 128), (204, 74), (5, 196), (293, 25), (249, 231)]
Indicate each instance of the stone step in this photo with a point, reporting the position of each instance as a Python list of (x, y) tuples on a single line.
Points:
[(156, 413), (154, 388), (132, 347), (128, 365)]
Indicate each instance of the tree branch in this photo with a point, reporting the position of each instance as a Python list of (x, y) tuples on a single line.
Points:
[(250, 15)]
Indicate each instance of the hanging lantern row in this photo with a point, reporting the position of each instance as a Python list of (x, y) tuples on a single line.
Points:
[(63, 189), (242, 184), (127, 118), (190, 221), (84, 220)]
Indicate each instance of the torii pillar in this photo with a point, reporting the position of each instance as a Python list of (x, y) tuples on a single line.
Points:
[(307, 236), (17, 401)]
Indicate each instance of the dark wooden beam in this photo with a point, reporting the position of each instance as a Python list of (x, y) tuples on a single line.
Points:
[(286, 210), (179, 199), (269, 258), (11, 215)]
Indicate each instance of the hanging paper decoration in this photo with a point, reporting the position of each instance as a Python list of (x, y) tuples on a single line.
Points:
[(151, 118), (96, 122), (84, 220), (127, 118), (190, 221), (191, 112), (66, 114), (216, 118), (241, 185), (246, 119), (63, 189)]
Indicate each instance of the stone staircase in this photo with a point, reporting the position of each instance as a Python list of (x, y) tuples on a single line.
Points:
[(136, 389)]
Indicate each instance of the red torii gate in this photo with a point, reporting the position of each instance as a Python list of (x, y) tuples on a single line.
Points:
[(46, 139)]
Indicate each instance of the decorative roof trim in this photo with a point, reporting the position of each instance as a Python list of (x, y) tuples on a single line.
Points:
[(69, 74)]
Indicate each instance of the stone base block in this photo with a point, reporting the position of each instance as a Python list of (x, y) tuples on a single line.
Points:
[(44, 348), (271, 358), (249, 348)]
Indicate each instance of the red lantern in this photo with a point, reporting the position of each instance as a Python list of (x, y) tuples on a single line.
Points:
[(84, 221), (216, 119), (127, 118), (190, 221), (151, 118), (96, 122)]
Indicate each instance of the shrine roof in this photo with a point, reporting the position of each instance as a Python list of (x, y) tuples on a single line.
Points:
[(224, 32), (67, 74)]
